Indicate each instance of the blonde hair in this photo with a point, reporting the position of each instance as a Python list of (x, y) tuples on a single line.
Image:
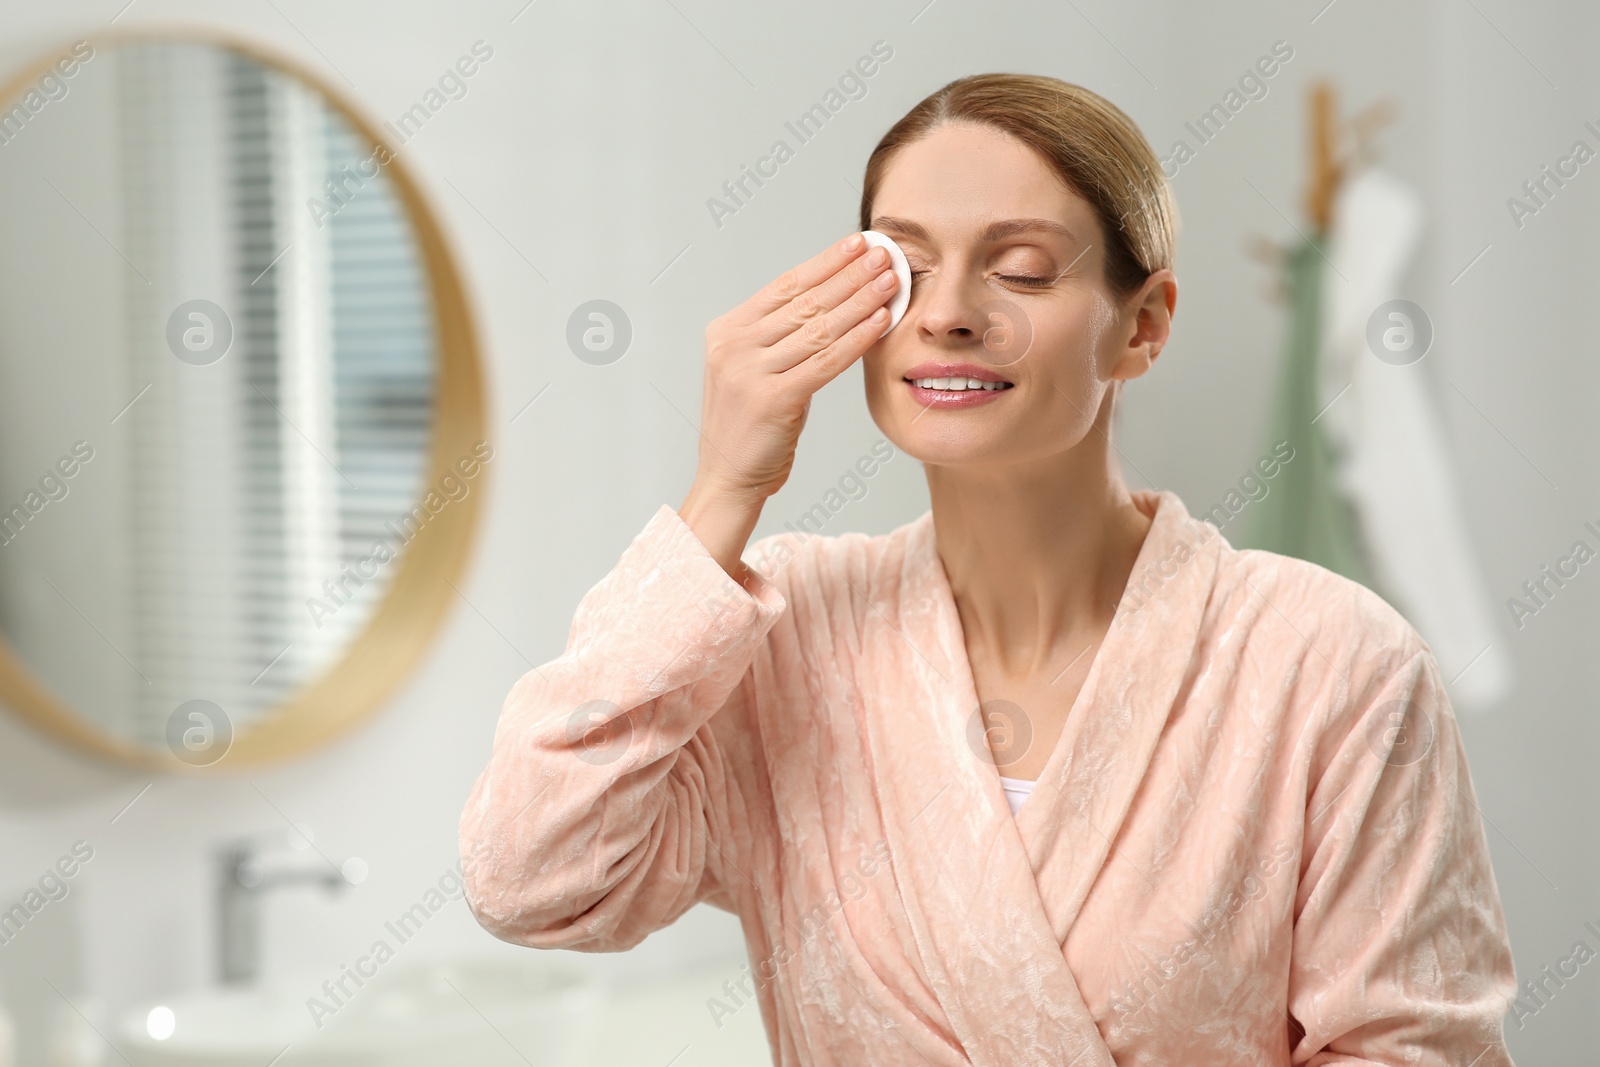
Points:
[(1096, 150)]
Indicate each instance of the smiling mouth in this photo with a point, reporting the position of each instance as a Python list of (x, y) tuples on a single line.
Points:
[(957, 384)]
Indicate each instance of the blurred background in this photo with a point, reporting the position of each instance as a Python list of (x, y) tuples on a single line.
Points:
[(574, 180)]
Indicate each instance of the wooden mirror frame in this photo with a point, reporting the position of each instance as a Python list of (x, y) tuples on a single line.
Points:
[(413, 607)]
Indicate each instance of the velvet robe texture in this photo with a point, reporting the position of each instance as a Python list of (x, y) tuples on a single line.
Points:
[(1256, 841)]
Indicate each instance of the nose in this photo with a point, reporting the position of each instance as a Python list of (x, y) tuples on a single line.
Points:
[(963, 315), (947, 308)]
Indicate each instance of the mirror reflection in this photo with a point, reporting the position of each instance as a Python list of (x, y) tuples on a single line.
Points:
[(216, 387)]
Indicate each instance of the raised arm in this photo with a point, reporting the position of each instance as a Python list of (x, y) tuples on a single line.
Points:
[(597, 819)]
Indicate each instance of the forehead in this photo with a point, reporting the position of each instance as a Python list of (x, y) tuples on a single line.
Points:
[(961, 177)]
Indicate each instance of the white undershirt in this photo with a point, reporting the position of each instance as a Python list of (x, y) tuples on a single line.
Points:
[(1017, 790)]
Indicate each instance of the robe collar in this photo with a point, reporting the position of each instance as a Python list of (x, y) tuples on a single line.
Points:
[(968, 872)]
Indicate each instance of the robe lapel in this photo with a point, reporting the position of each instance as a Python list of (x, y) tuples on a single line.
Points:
[(1110, 737), (990, 899)]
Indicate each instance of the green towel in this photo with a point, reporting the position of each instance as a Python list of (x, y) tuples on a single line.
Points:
[(1305, 514)]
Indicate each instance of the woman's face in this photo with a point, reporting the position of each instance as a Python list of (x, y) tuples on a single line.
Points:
[(1007, 285)]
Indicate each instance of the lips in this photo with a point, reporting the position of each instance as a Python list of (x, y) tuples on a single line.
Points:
[(955, 385), (954, 370)]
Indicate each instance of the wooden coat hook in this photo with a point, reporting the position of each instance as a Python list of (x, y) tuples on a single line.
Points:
[(1331, 162)]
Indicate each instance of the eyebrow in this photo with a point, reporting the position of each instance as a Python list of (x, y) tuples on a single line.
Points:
[(995, 231)]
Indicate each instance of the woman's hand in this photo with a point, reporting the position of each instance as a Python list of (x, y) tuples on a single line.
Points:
[(764, 360)]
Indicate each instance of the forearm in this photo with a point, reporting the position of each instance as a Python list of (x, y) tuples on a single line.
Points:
[(590, 820)]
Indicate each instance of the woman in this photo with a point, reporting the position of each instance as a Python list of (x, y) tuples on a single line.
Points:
[(1251, 837)]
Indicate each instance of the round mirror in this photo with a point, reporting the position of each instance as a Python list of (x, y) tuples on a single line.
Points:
[(241, 412)]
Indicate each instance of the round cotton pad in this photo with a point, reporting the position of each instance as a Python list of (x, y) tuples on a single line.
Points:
[(902, 270)]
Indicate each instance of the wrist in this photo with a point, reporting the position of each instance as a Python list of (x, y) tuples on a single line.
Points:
[(723, 520), (709, 500)]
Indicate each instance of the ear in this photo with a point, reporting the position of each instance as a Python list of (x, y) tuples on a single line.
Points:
[(1148, 318)]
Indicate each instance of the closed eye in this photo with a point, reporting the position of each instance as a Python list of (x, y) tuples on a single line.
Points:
[(1034, 281)]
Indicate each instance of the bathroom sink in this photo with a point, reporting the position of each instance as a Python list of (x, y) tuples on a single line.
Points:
[(486, 1013)]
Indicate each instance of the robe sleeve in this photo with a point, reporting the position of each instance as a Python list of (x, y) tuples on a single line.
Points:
[(594, 823), (1400, 954)]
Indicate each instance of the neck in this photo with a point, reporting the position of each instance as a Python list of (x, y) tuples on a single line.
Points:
[(1037, 553)]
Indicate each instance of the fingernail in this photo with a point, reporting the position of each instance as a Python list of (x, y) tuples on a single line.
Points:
[(878, 257), (885, 280), (853, 242)]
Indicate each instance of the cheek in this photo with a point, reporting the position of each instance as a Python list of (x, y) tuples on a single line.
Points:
[(1076, 344), (1102, 317), (875, 369), (875, 376), (1073, 340)]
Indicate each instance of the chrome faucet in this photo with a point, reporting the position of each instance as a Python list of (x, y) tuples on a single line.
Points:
[(241, 882)]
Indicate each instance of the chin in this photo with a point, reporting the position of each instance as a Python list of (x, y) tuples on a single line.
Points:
[(935, 437)]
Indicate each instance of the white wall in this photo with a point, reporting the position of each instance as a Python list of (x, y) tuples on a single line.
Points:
[(578, 166)]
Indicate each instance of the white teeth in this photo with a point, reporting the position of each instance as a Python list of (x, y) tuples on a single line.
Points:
[(956, 384)]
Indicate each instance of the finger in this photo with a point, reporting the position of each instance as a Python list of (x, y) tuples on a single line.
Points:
[(817, 333), (791, 283), (820, 299), (826, 364)]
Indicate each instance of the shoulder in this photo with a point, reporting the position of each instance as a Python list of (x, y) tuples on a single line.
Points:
[(1285, 611), (1326, 603), (1344, 640)]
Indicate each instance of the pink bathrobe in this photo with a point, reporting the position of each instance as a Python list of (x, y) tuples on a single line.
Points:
[(1255, 842)]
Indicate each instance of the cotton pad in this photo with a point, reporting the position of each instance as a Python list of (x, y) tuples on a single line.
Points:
[(902, 270)]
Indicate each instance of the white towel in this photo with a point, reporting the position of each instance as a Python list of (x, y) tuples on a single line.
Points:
[(1391, 455)]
